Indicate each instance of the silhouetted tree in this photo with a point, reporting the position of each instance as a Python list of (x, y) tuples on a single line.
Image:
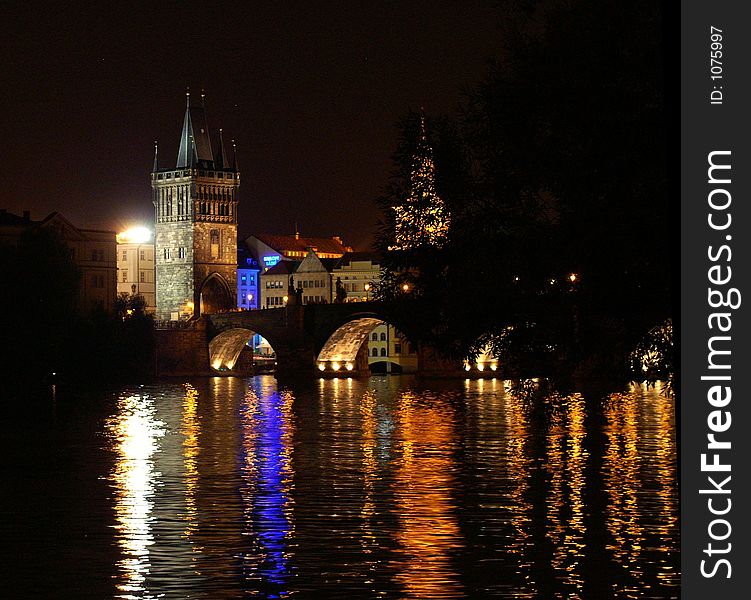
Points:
[(555, 178)]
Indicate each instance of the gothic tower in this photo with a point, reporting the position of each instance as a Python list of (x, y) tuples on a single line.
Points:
[(195, 206)]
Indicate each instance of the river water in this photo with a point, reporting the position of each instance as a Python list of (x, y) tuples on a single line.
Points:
[(373, 488)]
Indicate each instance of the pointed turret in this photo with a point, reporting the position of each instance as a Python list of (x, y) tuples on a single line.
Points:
[(234, 165), (156, 157), (221, 156)]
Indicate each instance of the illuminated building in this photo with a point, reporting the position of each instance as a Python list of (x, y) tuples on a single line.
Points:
[(360, 273), (135, 265), (248, 270), (274, 283), (387, 347), (312, 275), (269, 249), (195, 204), (93, 252), (315, 276), (422, 219)]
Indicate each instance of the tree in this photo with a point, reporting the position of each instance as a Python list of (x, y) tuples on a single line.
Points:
[(555, 168)]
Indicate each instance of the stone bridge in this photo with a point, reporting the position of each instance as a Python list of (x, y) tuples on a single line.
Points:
[(323, 338)]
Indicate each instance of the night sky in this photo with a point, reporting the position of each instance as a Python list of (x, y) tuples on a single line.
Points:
[(310, 91)]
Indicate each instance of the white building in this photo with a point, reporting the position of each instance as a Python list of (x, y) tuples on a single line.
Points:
[(135, 265)]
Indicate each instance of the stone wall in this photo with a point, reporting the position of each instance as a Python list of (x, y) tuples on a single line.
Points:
[(183, 351), (174, 276)]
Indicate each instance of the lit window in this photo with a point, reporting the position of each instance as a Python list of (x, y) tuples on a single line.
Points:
[(143, 276), (125, 276)]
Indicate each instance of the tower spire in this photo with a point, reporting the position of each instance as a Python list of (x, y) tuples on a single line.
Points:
[(221, 157), (156, 156), (195, 145), (423, 139), (234, 156)]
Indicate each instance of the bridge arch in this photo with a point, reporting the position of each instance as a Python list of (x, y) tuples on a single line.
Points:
[(342, 347), (225, 349), (215, 295)]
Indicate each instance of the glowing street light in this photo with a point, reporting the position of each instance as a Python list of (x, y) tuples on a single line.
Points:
[(572, 278), (285, 299), (134, 235), (405, 287)]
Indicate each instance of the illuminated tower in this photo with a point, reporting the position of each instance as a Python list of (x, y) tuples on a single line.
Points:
[(195, 206), (422, 219)]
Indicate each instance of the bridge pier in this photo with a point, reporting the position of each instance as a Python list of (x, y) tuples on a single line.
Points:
[(182, 350), (295, 357)]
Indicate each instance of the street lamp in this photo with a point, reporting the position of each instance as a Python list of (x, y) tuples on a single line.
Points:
[(367, 289), (405, 287)]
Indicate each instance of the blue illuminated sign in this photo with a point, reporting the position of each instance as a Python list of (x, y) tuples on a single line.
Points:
[(271, 260)]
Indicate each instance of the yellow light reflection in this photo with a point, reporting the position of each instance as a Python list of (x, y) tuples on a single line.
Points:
[(135, 432), (191, 430), (429, 530), (640, 471), (565, 462)]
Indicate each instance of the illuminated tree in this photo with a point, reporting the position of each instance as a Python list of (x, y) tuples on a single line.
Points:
[(422, 219)]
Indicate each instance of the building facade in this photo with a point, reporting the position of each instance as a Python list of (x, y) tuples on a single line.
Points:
[(274, 284), (195, 206), (360, 273), (389, 351), (93, 251), (247, 280), (135, 266)]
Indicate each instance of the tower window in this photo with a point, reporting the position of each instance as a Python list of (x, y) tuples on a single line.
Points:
[(214, 243), (181, 252)]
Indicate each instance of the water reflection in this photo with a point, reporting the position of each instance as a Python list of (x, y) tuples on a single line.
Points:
[(423, 490), (380, 488), (565, 462), (135, 432), (640, 478), (266, 465)]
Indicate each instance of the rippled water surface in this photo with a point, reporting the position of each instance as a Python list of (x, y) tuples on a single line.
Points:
[(383, 487)]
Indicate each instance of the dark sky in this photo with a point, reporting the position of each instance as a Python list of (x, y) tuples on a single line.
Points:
[(309, 90)]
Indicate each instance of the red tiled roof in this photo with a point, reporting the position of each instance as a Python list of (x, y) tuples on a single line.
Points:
[(287, 243)]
